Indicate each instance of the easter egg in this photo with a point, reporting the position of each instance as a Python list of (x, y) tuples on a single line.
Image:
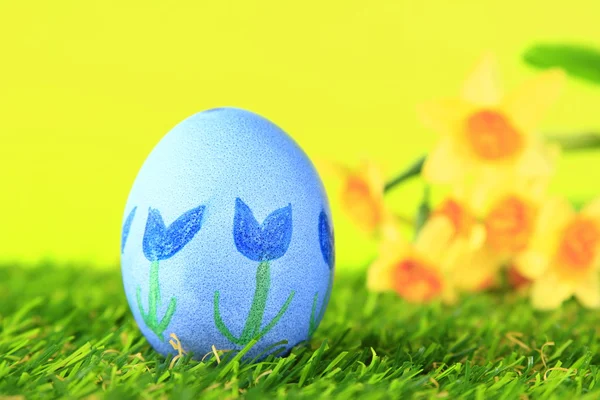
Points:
[(227, 239)]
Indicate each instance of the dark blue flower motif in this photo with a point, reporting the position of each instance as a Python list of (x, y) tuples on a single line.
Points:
[(161, 242), (265, 242), (126, 228), (326, 240)]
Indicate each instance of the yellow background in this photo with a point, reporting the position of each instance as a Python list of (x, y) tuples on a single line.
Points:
[(87, 88)]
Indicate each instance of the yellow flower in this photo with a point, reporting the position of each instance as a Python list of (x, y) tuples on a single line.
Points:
[(563, 257), (470, 265), (448, 256), (362, 196), (486, 136), (510, 216), (414, 271)]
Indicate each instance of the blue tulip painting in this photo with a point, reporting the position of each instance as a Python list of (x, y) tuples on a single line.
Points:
[(161, 243), (326, 242), (262, 243), (127, 228)]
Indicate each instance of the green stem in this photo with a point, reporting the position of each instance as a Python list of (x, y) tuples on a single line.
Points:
[(423, 211), (220, 324), (584, 141), (413, 170), (154, 296), (151, 318), (259, 302), (138, 295), (278, 316), (569, 143)]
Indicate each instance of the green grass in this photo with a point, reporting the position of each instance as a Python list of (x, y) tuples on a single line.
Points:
[(67, 332)]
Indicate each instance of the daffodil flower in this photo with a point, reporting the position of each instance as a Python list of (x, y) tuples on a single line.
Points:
[(414, 271), (563, 257), (362, 196), (487, 136), (469, 263)]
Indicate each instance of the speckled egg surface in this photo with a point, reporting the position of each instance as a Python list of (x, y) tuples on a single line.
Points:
[(227, 238)]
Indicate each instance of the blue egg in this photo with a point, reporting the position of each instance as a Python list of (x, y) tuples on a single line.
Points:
[(227, 238)]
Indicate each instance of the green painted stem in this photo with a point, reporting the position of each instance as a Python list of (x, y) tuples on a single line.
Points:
[(219, 321), (314, 320), (151, 317), (153, 296), (278, 316), (251, 330), (259, 302)]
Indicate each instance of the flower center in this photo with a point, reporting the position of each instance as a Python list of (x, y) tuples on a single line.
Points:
[(461, 219), (509, 225), (360, 203), (579, 245), (415, 281), (491, 136)]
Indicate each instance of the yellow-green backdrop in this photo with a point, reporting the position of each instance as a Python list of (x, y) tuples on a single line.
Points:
[(87, 88)]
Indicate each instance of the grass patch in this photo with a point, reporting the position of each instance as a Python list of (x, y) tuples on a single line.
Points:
[(68, 332)]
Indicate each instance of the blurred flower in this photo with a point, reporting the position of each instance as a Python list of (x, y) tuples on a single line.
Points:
[(267, 241), (161, 242), (511, 216), (563, 257), (471, 266), (414, 271), (487, 136), (362, 196)]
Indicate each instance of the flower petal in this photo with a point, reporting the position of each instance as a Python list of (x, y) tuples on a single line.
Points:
[(592, 209), (277, 233), (528, 105), (482, 87), (126, 228), (588, 291), (549, 292), (160, 242), (326, 240), (535, 162), (265, 242), (246, 232), (444, 164), (434, 238), (154, 235), (555, 213), (444, 116), (379, 275), (532, 264), (362, 196)]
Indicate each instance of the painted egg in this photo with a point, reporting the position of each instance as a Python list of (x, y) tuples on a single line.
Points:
[(227, 238)]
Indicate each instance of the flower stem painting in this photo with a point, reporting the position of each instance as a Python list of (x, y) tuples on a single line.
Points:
[(161, 243), (262, 243)]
